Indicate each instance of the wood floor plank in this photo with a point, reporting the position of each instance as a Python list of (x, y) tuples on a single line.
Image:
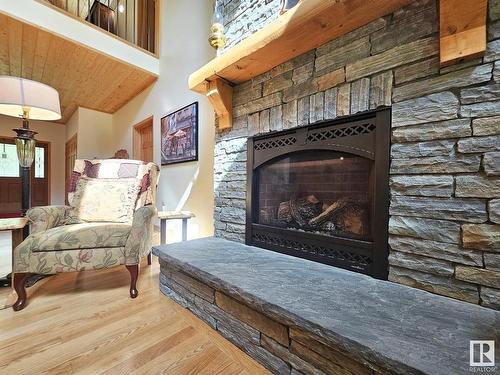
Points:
[(117, 349), (67, 321), (44, 360), (231, 351), (85, 323), (167, 362), (148, 354), (85, 341)]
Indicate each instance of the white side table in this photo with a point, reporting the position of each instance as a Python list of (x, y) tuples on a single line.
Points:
[(15, 226), (164, 216)]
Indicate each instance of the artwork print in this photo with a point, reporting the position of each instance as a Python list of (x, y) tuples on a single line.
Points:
[(179, 136)]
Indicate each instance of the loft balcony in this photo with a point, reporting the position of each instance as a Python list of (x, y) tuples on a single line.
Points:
[(134, 21), (74, 52)]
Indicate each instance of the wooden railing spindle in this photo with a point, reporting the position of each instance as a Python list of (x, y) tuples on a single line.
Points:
[(112, 22)]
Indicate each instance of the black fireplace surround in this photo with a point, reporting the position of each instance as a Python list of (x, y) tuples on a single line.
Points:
[(321, 192)]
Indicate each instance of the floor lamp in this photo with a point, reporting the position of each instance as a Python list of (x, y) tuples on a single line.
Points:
[(27, 99)]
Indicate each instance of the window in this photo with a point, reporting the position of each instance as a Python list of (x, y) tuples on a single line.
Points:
[(9, 166), (39, 162)]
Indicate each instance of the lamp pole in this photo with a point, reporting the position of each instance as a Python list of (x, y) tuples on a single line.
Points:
[(25, 98), (25, 171), (25, 196), (25, 144)]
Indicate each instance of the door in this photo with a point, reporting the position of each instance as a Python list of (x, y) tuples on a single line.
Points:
[(143, 140), (71, 148), (40, 176), (10, 178)]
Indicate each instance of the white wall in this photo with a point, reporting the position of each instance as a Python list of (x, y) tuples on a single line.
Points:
[(95, 138), (36, 13), (94, 133), (47, 132), (184, 48)]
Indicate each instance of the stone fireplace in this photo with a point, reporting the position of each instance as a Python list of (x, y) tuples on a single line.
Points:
[(443, 208), (320, 192)]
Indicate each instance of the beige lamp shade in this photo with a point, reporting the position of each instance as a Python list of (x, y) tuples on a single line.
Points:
[(17, 93)]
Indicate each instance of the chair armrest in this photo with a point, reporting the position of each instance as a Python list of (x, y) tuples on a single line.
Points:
[(46, 217), (141, 234)]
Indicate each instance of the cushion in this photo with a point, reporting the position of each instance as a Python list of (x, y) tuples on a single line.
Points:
[(82, 236), (104, 200), (128, 170), (73, 181), (91, 169)]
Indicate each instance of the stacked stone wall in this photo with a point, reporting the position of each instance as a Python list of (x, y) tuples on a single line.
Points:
[(445, 154), (244, 17)]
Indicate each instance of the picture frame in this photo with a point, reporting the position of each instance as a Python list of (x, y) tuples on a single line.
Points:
[(179, 135)]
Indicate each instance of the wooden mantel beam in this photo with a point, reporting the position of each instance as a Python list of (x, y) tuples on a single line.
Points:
[(314, 22), (462, 29), (306, 26)]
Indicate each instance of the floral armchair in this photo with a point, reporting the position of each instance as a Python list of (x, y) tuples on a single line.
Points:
[(109, 222)]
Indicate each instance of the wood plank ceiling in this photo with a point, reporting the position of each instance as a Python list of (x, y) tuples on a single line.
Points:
[(83, 77)]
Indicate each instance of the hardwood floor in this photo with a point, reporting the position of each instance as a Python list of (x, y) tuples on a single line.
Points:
[(86, 323)]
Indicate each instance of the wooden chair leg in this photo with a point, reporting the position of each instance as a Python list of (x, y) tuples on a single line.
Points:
[(20, 288), (134, 272)]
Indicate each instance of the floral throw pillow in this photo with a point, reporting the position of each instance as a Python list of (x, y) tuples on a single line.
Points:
[(104, 200)]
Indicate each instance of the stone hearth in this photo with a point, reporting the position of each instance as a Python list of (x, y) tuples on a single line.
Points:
[(295, 316), (444, 226)]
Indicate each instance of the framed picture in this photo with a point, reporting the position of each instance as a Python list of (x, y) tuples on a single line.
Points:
[(179, 135)]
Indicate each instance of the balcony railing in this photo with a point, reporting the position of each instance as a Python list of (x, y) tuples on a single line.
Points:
[(131, 20)]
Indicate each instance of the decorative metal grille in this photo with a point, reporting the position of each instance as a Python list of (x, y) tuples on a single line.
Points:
[(360, 261), (333, 133), (274, 143)]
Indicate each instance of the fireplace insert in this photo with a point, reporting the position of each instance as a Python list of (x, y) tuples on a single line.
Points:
[(320, 192)]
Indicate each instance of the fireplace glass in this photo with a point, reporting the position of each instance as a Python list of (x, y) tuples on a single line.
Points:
[(322, 192)]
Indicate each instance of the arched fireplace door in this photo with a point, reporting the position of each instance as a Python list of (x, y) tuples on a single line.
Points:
[(321, 192)]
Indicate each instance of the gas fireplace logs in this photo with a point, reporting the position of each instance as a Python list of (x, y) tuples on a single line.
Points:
[(309, 213)]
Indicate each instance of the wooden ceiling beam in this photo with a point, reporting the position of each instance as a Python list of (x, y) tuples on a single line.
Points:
[(462, 30)]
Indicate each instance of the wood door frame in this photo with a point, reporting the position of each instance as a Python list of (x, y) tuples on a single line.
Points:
[(136, 137), (67, 176), (48, 170)]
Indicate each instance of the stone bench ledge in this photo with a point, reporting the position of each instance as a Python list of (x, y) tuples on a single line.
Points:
[(384, 326)]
